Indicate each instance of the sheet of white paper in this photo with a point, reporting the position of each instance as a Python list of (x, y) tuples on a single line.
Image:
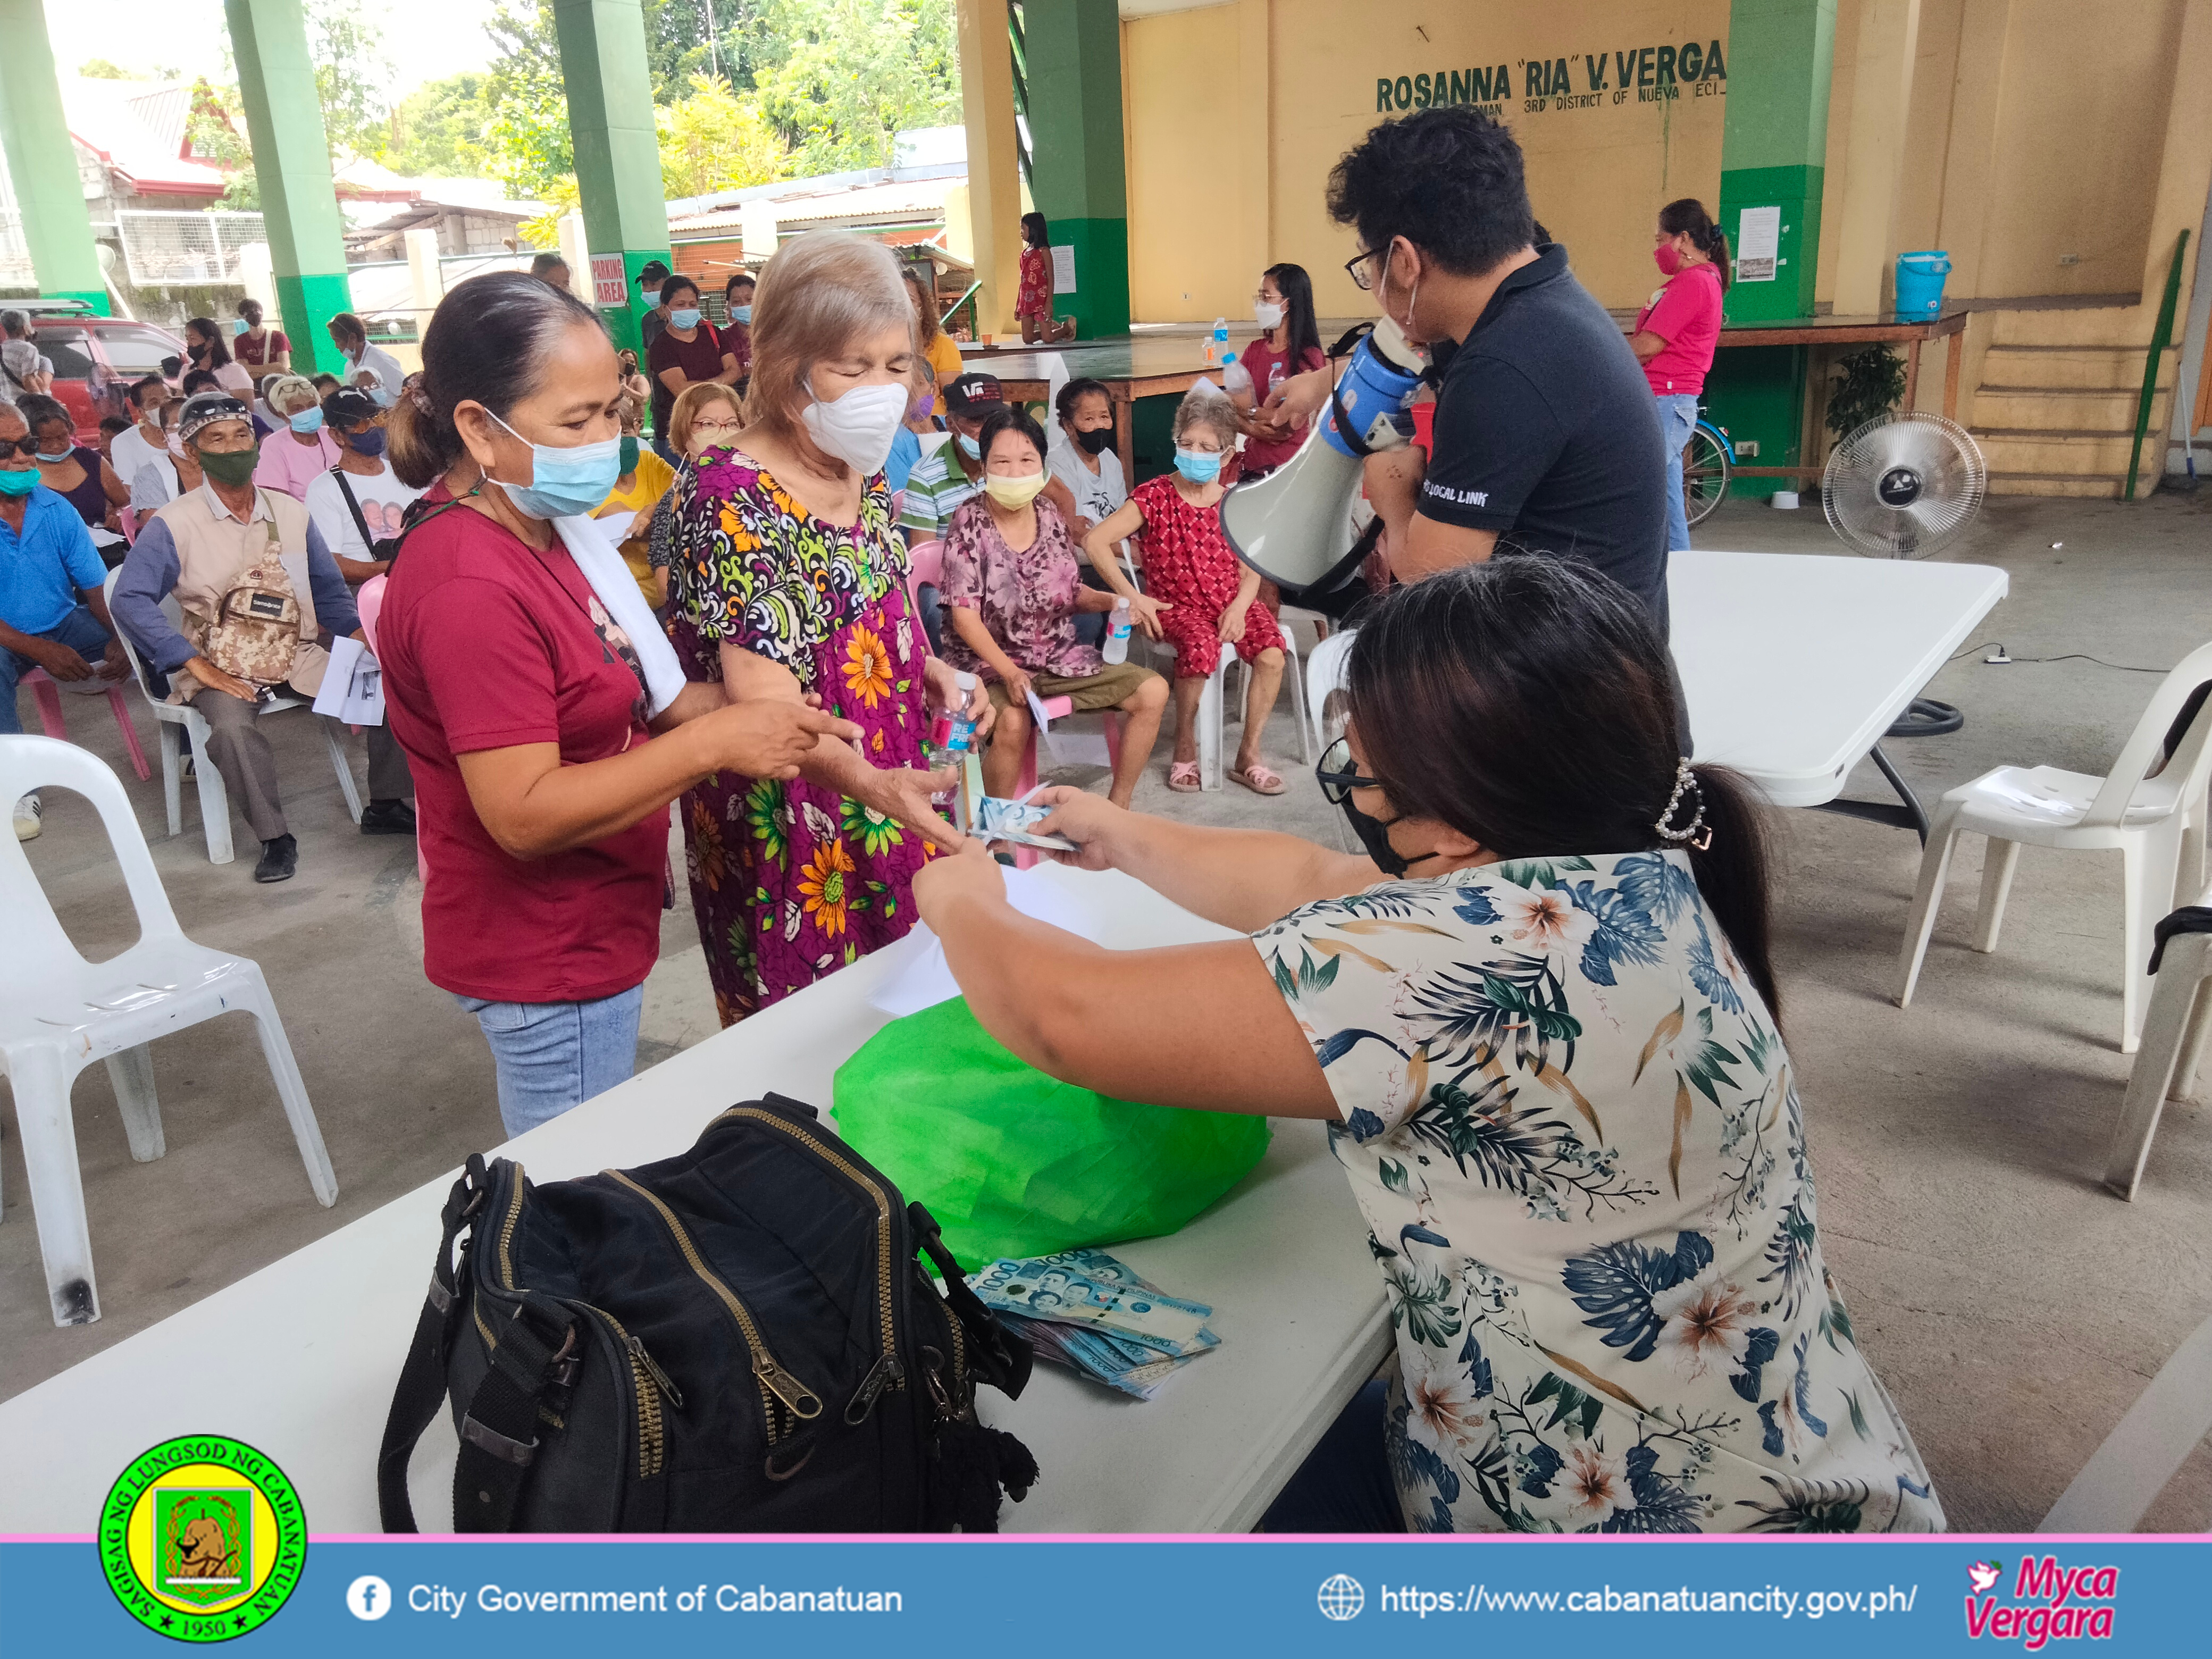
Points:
[(1759, 240), (1073, 746), (352, 685), (1063, 269), (928, 980)]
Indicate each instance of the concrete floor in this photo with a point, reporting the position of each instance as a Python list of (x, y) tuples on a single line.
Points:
[(2013, 1308)]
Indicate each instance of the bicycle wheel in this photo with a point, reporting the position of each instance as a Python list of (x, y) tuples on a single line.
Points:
[(1705, 473)]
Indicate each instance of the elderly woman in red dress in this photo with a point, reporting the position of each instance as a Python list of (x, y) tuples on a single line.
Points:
[(789, 580)]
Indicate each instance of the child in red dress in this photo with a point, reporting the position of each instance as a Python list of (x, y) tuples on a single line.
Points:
[(1033, 298), (1198, 598)]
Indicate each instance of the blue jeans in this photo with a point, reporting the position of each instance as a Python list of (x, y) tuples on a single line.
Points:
[(1678, 419), (555, 1055), (80, 631), (1344, 1485)]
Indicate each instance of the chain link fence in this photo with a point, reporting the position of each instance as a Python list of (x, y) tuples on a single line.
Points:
[(178, 250)]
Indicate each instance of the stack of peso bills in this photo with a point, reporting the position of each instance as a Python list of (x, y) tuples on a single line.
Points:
[(1097, 1315)]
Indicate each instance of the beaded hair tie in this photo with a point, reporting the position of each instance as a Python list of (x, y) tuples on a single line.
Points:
[(1696, 834)]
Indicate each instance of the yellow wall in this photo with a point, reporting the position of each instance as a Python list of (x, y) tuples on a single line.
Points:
[(2037, 128)]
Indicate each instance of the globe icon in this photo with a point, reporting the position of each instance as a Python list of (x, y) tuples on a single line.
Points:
[(1340, 1597)]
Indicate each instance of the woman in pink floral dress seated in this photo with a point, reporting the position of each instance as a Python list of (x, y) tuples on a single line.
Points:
[(789, 580)]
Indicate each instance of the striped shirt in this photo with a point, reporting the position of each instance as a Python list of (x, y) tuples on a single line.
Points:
[(935, 490)]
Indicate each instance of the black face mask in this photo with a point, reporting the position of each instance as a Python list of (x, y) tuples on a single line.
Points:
[(1338, 778), (1096, 442)]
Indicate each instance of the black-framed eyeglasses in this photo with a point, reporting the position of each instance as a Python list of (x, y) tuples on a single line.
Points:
[(11, 447), (1338, 775), (1358, 267)]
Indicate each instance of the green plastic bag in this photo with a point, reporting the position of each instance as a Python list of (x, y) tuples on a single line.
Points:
[(1013, 1163)]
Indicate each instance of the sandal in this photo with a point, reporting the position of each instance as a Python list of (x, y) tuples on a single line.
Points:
[(1260, 779), (1183, 777)]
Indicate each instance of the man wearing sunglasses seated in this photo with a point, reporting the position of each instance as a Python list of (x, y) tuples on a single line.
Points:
[(53, 614)]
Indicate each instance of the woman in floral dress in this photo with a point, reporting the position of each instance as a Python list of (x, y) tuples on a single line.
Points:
[(1540, 1020), (788, 580)]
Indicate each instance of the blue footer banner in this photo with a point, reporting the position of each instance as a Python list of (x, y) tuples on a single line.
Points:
[(205, 1570)]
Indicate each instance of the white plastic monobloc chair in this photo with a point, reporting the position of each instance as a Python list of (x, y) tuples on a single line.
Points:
[(2145, 1448), (1326, 671), (2156, 825), (180, 723), (58, 1013), (2173, 1037)]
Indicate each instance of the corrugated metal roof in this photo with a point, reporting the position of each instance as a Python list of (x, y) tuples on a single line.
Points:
[(138, 128), (920, 200)]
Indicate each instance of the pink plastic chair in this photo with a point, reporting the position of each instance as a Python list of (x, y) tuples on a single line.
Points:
[(50, 715), (924, 562), (1057, 708)]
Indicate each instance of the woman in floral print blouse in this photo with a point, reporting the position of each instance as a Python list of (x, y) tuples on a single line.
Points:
[(1541, 1022), (788, 580)]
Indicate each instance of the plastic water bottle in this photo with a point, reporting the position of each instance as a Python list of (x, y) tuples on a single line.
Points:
[(1116, 648), (1236, 379), (952, 734), (1221, 352)]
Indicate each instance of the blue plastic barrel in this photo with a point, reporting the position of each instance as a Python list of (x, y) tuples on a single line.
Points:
[(1920, 284)]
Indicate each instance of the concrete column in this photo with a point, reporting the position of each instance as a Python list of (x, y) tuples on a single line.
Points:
[(292, 161), (1874, 152), (1774, 144), (42, 161), (426, 276), (1074, 58), (994, 189), (617, 149)]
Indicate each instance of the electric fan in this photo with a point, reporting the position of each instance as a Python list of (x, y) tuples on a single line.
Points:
[(1903, 485), (1898, 488)]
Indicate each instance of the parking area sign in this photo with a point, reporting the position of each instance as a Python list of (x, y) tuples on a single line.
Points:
[(610, 287)]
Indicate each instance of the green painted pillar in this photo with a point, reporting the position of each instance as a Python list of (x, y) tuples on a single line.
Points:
[(617, 147), (292, 163), (1781, 55), (42, 161), (1073, 56)]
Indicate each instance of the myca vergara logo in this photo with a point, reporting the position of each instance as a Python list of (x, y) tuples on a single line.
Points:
[(203, 1539), (2051, 1603)]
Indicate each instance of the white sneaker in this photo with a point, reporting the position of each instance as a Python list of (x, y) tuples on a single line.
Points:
[(26, 818)]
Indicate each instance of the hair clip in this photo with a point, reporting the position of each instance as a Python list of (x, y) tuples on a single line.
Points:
[(1697, 835)]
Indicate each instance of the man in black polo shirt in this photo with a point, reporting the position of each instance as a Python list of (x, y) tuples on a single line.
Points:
[(1547, 436)]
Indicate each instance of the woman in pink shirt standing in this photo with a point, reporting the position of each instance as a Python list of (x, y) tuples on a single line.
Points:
[(1676, 333)]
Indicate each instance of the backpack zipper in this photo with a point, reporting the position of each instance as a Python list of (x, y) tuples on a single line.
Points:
[(648, 1382), (801, 1400), (887, 1373)]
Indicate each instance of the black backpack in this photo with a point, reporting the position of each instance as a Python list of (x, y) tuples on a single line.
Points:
[(736, 1339)]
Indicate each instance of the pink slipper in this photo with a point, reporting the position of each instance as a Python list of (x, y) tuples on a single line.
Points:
[(1260, 779), (1183, 777)]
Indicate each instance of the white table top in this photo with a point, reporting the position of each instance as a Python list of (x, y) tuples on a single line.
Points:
[(1794, 664), (300, 1359)]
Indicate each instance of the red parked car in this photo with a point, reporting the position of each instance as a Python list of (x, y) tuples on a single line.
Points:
[(96, 359)]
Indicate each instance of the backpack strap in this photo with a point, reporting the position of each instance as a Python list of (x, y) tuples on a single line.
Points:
[(353, 506), (498, 1431), (422, 1390)]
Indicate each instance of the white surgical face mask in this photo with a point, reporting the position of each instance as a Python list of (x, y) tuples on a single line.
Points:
[(858, 426), (1267, 315)]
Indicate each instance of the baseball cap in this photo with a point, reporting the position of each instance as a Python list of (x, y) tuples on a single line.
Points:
[(653, 271), (974, 395), (347, 405), (204, 409)]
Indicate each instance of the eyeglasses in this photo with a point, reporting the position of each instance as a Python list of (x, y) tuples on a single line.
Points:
[(1338, 775), (11, 447), (698, 427), (1358, 267)]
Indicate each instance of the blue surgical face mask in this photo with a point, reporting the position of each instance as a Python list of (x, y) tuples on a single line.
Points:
[(970, 447), (53, 460), (688, 317), (1198, 466), (564, 482), (18, 480), (240, 326), (308, 421), (741, 314)]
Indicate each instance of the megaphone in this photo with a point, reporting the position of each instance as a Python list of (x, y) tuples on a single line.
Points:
[(1295, 527)]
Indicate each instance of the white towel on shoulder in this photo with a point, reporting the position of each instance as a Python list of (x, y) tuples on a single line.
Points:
[(600, 557)]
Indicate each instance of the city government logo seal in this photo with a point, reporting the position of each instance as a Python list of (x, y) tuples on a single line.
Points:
[(203, 1539)]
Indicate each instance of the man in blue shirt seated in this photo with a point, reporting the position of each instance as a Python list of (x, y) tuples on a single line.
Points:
[(53, 613)]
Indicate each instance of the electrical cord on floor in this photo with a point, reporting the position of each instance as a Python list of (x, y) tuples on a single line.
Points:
[(2002, 661)]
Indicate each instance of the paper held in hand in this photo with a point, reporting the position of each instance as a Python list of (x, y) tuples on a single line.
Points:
[(352, 685)]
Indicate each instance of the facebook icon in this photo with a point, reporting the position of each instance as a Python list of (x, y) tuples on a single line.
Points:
[(369, 1597)]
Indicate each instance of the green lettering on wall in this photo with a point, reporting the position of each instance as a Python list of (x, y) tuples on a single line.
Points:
[(1382, 94), (1715, 69), (1666, 66), (1688, 58), (1402, 90), (1594, 68), (1561, 84), (1501, 82), (1644, 66), (1625, 62), (1478, 85), (1532, 78), (1420, 92)]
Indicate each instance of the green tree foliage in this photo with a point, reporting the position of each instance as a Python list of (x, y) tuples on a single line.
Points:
[(529, 127), (439, 131), (99, 69), (353, 74), (852, 73), (714, 140), (215, 133)]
